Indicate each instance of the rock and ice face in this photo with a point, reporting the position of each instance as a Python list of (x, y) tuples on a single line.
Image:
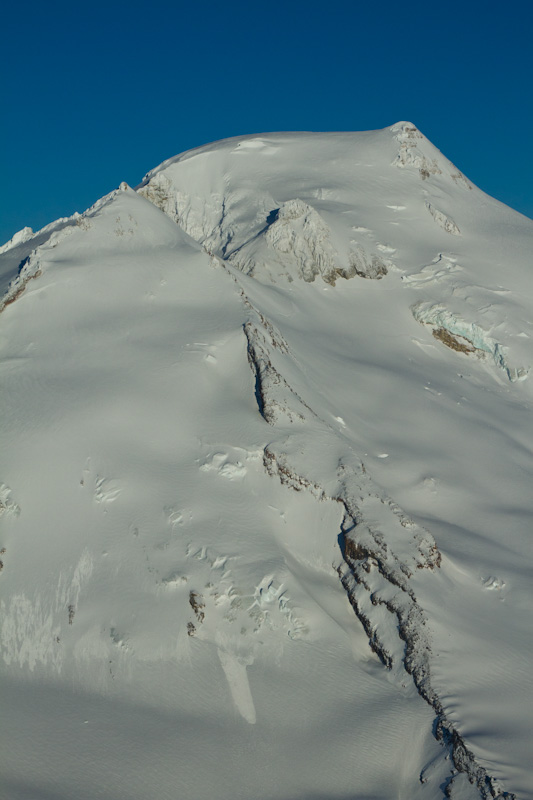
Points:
[(265, 481)]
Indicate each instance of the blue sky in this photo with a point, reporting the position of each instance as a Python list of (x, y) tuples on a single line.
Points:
[(97, 93)]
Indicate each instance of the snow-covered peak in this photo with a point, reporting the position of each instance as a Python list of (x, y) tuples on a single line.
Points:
[(265, 470), (227, 196), (335, 206)]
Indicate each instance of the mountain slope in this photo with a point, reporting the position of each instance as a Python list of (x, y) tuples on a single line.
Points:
[(284, 380)]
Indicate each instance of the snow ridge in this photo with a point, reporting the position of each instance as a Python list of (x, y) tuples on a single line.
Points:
[(18, 238), (48, 238)]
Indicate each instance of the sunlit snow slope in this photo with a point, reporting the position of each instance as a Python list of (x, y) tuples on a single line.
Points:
[(265, 482)]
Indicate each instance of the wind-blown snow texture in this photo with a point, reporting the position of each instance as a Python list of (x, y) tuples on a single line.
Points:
[(265, 482)]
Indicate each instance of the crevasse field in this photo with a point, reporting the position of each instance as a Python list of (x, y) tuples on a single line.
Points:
[(265, 483)]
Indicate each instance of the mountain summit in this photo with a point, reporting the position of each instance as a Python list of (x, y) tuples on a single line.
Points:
[(265, 482)]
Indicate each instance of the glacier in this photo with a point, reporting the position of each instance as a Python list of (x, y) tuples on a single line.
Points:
[(265, 478)]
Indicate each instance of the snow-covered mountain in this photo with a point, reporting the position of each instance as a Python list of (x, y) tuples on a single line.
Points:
[(265, 482)]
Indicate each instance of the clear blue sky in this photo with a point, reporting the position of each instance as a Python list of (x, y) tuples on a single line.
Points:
[(97, 93)]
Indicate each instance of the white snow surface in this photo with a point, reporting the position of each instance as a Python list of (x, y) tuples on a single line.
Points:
[(285, 380)]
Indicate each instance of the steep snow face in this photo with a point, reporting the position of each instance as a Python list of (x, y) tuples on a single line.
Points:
[(265, 482)]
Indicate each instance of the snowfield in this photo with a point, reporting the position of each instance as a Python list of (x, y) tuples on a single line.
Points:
[(265, 482)]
